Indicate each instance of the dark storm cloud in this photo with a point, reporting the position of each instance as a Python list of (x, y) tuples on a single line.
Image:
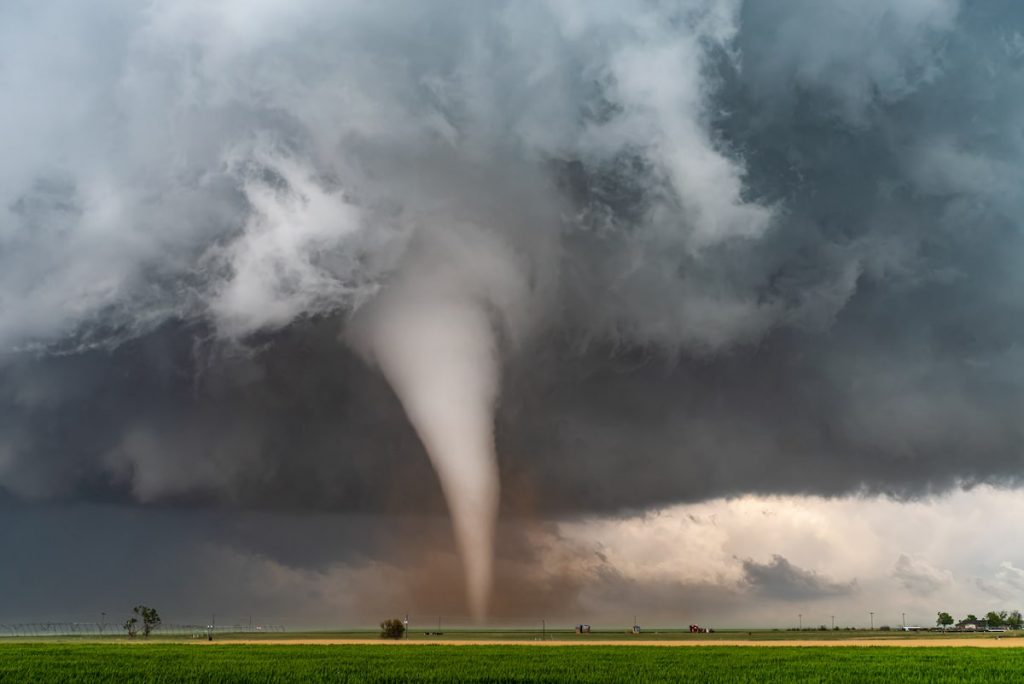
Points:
[(780, 579), (279, 568), (774, 249)]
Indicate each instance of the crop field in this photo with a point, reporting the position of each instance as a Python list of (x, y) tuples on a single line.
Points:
[(165, 662)]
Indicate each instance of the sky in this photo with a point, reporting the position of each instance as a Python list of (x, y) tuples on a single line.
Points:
[(331, 311)]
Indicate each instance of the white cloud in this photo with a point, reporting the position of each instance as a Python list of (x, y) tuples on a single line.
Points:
[(919, 576), (916, 557), (290, 258), (1007, 582), (141, 196)]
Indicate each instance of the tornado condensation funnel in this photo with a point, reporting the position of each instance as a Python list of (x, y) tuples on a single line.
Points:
[(440, 357)]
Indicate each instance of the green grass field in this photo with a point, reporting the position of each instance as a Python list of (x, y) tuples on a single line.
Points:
[(156, 662)]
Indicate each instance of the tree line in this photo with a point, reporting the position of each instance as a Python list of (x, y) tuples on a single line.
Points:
[(1010, 619)]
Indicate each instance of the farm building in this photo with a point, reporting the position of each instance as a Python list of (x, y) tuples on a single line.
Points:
[(972, 625)]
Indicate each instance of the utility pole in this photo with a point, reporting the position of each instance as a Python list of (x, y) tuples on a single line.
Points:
[(833, 622), (800, 620), (103, 621), (872, 619), (904, 621)]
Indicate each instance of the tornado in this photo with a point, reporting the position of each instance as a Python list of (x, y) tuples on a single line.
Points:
[(434, 336)]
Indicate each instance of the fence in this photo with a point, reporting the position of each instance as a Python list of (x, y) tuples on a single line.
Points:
[(43, 629)]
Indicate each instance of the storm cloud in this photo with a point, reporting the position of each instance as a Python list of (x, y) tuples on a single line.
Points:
[(781, 579), (721, 248)]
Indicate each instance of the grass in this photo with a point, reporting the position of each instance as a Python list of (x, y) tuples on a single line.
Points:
[(163, 662)]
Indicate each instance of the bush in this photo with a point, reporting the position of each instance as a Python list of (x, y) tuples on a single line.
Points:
[(392, 629)]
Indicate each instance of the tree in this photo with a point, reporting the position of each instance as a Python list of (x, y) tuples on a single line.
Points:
[(944, 620), (994, 619), (971, 617), (392, 629), (131, 625), (150, 618), (1014, 620)]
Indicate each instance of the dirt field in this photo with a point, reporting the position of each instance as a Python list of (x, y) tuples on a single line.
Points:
[(994, 642)]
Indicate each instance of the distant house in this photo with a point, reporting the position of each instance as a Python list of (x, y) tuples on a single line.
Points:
[(972, 625), (583, 629), (636, 629)]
